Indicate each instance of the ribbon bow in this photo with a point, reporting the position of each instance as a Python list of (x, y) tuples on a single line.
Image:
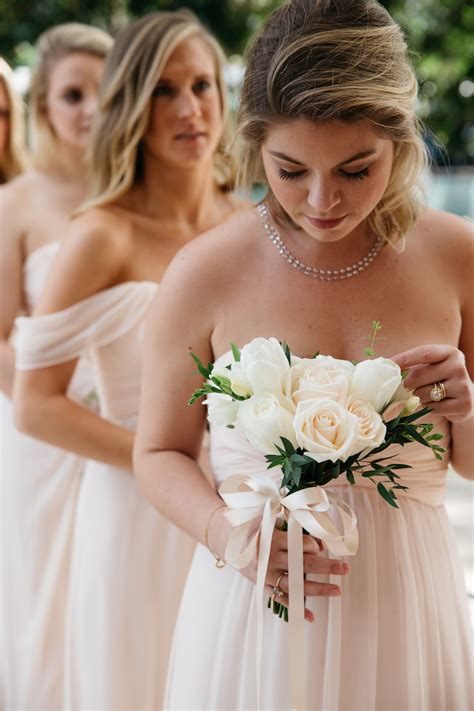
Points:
[(251, 497)]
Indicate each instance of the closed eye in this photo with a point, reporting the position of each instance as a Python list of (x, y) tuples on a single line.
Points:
[(290, 174), (358, 175)]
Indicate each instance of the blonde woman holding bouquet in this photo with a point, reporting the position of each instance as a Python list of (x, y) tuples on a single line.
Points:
[(161, 177), (13, 152), (39, 483), (327, 120)]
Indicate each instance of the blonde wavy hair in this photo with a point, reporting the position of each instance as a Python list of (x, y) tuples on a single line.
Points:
[(131, 73), (330, 60), (52, 46), (14, 157)]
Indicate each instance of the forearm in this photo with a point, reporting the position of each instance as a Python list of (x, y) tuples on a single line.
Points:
[(7, 368), (65, 424), (179, 490), (462, 448)]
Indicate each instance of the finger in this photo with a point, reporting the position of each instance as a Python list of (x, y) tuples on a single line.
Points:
[(313, 589), (325, 566), (426, 375), (424, 393), (422, 355)]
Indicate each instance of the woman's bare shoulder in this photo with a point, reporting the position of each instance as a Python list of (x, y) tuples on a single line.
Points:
[(447, 241), (214, 261), (231, 238), (445, 231)]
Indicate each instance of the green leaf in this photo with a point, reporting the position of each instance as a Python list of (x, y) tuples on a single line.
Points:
[(297, 475), (289, 449), (235, 352), (205, 372), (387, 495), (350, 477), (286, 349)]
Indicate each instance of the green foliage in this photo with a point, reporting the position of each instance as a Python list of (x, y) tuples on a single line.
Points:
[(439, 32), (22, 21)]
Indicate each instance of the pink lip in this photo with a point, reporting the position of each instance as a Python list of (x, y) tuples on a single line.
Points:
[(326, 224), (189, 136)]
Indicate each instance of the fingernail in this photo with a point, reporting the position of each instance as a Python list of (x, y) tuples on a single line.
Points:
[(346, 567), (335, 591)]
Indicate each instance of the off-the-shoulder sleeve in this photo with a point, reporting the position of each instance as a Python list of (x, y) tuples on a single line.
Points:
[(62, 336)]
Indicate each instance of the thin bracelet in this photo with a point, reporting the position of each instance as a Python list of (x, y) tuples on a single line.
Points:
[(220, 562)]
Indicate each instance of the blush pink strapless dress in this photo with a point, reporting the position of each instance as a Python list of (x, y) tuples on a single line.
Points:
[(398, 639)]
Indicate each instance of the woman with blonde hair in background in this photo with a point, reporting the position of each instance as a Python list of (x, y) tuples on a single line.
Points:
[(161, 177), (328, 121), (39, 483), (13, 152)]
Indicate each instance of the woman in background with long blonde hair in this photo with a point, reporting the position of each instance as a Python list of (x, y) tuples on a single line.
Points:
[(160, 178), (39, 483), (13, 151)]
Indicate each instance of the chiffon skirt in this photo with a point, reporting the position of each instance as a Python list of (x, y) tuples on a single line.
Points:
[(128, 574), (39, 490), (397, 639)]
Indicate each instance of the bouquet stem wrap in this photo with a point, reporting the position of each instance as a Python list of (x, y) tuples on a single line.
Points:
[(249, 498)]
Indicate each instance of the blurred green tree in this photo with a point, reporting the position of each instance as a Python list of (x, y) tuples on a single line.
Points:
[(439, 33)]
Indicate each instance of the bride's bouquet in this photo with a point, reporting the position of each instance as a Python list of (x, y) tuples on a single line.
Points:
[(317, 419)]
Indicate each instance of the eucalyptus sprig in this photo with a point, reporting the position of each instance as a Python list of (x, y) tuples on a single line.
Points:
[(370, 350), (214, 383)]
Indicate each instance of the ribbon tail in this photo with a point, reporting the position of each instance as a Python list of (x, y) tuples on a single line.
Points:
[(266, 534), (296, 613)]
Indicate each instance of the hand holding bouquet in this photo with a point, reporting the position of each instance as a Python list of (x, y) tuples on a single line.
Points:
[(316, 419)]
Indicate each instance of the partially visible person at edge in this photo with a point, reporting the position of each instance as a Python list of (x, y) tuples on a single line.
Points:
[(40, 483), (161, 178), (13, 151), (327, 119)]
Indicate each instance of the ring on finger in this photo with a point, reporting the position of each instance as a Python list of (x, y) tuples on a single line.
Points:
[(438, 392), (277, 592)]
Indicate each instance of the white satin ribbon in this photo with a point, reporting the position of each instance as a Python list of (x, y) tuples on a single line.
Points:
[(251, 497)]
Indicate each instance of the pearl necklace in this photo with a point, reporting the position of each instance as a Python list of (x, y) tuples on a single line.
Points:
[(323, 274)]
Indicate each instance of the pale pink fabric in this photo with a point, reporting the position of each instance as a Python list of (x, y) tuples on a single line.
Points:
[(129, 564), (39, 488), (398, 639)]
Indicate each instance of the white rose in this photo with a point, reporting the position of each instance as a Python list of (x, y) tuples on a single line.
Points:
[(239, 382), (264, 420), (325, 429), (403, 403), (370, 427), (377, 380), (220, 372), (221, 409), (323, 376), (265, 366)]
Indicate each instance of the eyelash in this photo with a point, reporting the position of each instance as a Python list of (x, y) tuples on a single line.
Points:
[(293, 175)]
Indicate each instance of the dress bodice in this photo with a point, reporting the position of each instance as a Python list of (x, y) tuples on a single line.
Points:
[(35, 271), (231, 453), (107, 327)]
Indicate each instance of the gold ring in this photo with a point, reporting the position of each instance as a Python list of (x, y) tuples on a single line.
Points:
[(277, 592), (438, 392)]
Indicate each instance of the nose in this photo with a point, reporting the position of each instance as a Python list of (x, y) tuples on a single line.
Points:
[(89, 106), (323, 195), (188, 105)]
